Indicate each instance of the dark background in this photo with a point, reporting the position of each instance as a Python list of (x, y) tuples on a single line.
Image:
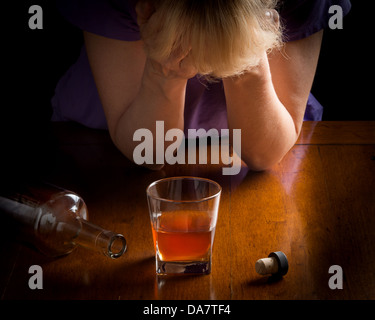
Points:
[(343, 82), (34, 60)]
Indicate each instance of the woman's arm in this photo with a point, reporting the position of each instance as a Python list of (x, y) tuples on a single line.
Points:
[(135, 92), (268, 102)]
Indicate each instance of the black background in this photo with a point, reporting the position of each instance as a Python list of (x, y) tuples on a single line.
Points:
[(343, 82)]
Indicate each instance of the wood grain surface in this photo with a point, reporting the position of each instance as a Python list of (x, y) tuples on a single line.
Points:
[(317, 206)]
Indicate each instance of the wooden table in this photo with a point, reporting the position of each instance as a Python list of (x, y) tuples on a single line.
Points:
[(317, 206)]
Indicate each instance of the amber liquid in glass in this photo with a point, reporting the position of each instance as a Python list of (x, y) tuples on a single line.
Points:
[(183, 236)]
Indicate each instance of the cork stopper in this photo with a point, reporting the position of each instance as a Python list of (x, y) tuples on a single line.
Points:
[(266, 266), (276, 264)]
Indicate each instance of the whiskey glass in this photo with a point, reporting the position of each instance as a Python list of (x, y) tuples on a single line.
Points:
[(183, 213)]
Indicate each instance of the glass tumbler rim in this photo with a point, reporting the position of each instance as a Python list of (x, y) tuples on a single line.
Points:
[(216, 194)]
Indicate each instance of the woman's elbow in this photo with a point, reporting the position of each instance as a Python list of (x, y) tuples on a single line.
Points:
[(262, 162), (268, 155), (258, 165)]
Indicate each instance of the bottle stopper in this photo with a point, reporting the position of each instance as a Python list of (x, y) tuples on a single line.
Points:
[(276, 264)]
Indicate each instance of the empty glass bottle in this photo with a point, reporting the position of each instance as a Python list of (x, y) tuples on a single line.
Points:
[(56, 219)]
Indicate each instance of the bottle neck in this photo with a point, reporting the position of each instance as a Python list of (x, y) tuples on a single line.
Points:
[(91, 236)]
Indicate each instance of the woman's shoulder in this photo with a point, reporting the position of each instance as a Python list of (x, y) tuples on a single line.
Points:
[(302, 18), (114, 19)]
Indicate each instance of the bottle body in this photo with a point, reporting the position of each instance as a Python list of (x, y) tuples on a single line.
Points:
[(57, 220), (58, 223)]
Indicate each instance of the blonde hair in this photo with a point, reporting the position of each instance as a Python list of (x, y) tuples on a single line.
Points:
[(223, 37)]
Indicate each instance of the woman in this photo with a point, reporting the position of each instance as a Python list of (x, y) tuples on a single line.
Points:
[(196, 64)]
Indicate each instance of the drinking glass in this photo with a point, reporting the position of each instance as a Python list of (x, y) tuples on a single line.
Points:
[(183, 213)]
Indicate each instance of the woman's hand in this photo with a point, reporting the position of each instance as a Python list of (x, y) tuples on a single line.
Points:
[(178, 64)]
